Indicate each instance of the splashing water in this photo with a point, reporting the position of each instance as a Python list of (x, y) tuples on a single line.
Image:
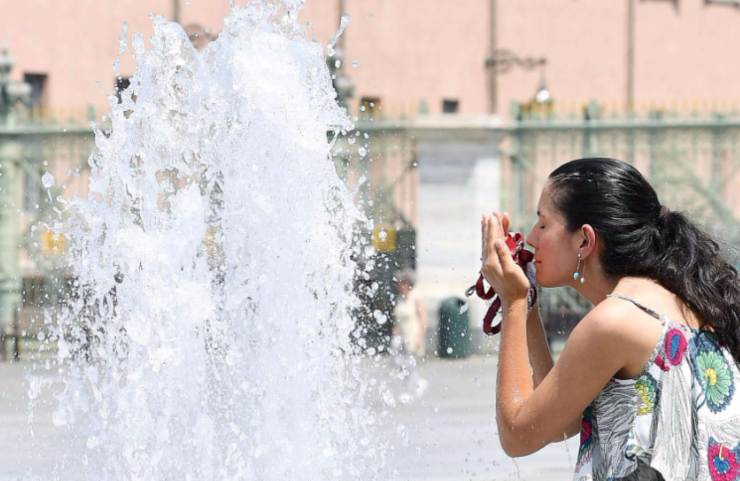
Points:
[(210, 338)]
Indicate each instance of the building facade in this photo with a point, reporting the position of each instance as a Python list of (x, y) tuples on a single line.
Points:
[(417, 57)]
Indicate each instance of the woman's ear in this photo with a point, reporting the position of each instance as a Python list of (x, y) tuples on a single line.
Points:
[(588, 241)]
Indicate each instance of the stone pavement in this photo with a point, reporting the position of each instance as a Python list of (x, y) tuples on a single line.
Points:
[(448, 434), (451, 431)]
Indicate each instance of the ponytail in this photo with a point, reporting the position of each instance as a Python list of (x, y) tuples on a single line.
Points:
[(690, 264), (642, 238)]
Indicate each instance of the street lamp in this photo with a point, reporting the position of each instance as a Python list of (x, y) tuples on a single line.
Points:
[(543, 95), (502, 60), (10, 91)]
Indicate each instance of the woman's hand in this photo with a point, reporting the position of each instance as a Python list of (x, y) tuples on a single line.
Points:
[(499, 268)]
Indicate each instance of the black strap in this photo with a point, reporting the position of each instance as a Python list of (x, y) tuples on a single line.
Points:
[(629, 299)]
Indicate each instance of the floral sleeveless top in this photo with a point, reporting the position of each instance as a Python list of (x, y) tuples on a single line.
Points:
[(678, 421)]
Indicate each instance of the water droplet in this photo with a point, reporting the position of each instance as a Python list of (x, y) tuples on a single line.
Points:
[(47, 180), (379, 317), (355, 63), (362, 151)]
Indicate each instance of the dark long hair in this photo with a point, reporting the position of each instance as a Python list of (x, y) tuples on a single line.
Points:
[(644, 239)]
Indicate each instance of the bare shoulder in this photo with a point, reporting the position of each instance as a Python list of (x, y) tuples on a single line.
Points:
[(613, 319), (619, 329)]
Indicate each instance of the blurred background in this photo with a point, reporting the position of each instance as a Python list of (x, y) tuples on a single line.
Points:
[(461, 108)]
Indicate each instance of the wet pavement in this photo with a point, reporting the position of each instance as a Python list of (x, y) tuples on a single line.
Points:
[(448, 434)]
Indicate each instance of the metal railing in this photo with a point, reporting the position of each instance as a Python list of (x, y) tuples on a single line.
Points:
[(691, 160)]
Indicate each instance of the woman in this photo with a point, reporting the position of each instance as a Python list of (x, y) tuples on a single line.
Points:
[(650, 375)]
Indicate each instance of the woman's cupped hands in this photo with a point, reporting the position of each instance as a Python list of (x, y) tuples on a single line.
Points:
[(498, 266)]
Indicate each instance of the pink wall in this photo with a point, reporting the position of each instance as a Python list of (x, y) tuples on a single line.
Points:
[(684, 56), (414, 51), (75, 42)]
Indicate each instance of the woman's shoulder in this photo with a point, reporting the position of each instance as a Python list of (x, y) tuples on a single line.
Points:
[(614, 318), (620, 327), (610, 326)]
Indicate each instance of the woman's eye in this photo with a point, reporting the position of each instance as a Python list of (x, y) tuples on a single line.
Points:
[(542, 227)]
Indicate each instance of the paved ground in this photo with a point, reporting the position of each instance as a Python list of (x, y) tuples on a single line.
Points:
[(452, 432), (449, 434)]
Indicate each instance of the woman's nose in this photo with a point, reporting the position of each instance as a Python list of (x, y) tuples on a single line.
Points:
[(531, 238)]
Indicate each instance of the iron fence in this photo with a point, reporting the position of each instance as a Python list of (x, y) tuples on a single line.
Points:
[(691, 160)]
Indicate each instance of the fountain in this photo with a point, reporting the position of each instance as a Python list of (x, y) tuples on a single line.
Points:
[(209, 332)]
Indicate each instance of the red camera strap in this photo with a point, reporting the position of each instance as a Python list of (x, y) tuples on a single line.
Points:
[(522, 257)]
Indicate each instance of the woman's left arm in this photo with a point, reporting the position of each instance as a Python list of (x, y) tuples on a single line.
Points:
[(529, 418)]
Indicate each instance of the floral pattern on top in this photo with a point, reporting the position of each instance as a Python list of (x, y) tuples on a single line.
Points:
[(675, 346), (647, 388), (723, 462), (679, 420), (712, 371), (584, 451)]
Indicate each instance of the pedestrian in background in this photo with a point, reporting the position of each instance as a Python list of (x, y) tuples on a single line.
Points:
[(409, 334)]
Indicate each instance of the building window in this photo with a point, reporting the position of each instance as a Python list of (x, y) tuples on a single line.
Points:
[(37, 82), (369, 107), (450, 106), (121, 84)]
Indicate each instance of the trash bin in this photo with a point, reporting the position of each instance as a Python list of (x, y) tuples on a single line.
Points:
[(454, 329)]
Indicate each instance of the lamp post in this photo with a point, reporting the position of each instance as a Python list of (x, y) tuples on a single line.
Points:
[(6, 65), (10, 151), (10, 91), (176, 11), (492, 48), (502, 60)]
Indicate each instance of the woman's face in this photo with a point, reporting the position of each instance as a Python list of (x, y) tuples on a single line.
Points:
[(556, 248)]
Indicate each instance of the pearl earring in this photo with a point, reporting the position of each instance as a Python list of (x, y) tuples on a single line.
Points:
[(577, 274)]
